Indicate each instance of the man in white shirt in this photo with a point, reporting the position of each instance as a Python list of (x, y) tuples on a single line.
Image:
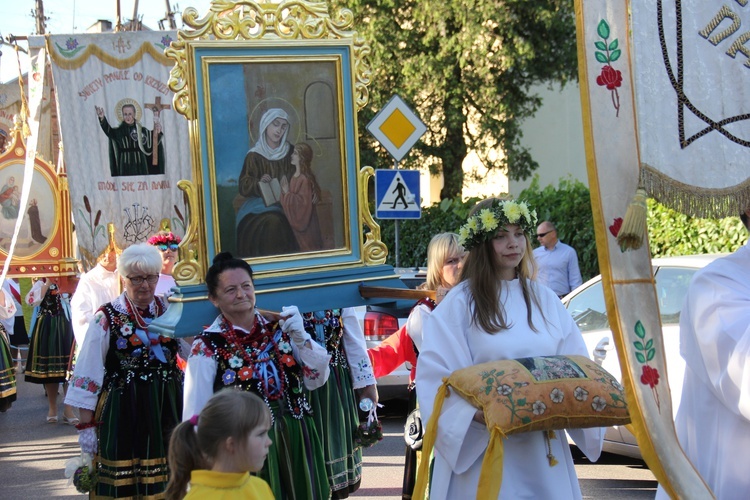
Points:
[(713, 420), (95, 288), (558, 262)]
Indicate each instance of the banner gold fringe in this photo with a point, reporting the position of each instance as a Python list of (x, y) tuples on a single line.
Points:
[(695, 201)]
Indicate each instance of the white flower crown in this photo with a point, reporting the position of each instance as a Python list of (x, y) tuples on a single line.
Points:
[(483, 225)]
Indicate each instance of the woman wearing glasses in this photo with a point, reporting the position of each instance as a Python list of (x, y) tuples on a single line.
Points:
[(127, 385), (167, 243)]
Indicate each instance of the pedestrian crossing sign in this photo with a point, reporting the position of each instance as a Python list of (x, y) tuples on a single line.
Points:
[(397, 194)]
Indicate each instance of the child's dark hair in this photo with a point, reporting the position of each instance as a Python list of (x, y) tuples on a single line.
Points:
[(223, 262), (196, 443)]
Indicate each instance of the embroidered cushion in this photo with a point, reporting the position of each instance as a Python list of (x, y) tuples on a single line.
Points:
[(528, 394), (542, 393)]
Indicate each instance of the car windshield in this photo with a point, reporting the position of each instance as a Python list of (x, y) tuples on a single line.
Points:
[(590, 312)]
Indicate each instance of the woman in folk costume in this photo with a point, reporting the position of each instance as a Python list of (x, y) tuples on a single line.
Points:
[(51, 344), (128, 386), (262, 227), (15, 325), (498, 312), (277, 360), (445, 257), (7, 369), (335, 404)]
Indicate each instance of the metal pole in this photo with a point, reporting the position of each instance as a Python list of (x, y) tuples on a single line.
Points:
[(395, 166)]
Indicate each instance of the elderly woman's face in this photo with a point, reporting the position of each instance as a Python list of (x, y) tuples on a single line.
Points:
[(275, 131), (140, 287), (234, 294)]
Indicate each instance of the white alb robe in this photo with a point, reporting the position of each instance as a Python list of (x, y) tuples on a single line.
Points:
[(95, 288), (355, 347), (713, 420), (450, 343)]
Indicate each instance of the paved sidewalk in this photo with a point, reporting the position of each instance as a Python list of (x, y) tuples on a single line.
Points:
[(33, 452)]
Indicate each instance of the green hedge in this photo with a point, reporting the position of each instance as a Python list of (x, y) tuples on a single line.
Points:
[(569, 206)]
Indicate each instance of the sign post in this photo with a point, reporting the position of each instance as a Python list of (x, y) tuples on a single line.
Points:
[(397, 128)]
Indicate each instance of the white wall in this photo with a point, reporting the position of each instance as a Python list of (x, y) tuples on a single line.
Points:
[(555, 137)]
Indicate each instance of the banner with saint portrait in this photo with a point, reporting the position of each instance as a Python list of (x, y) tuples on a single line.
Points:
[(125, 148)]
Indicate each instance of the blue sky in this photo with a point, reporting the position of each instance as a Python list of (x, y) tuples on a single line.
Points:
[(75, 16)]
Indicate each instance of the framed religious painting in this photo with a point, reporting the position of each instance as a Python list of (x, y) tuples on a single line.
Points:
[(44, 237), (275, 135)]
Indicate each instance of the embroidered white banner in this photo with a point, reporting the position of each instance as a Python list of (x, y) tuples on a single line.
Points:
[(125, 148), (612, 136), (692, 72)]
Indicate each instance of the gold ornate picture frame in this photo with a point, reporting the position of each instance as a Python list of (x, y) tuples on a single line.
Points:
[(289, 203)]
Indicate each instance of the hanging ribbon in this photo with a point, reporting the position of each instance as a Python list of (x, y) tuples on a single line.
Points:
[(31, 111), (153, 341)]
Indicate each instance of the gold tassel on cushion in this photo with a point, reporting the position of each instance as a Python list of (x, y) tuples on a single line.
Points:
[(634, 228)]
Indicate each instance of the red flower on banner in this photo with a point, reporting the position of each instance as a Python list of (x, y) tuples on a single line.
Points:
[(608, 52), (650, 376), (645, 352), (615, 227), (610, 78)]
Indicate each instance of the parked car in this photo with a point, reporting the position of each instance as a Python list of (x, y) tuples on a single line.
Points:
[(586, 304), (379, 322)]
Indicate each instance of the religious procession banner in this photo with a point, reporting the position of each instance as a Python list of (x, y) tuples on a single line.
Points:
[(662, 86), (125, 148), (10, 107)]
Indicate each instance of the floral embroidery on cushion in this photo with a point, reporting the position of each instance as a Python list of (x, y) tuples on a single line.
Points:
[(581, 394), (121, 343), (598, 403), (557, 395)]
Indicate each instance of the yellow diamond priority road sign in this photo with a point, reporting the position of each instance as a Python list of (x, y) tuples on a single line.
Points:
[(396, 127)]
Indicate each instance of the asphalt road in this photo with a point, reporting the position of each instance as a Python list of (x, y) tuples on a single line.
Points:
[(33, 454)]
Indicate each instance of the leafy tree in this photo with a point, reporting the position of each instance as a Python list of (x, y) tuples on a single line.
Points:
[(466, 68)]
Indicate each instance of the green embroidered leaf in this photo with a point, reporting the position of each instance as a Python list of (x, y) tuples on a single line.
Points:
[(649, 344), (601, 57), (639, 346), (600, 45), (603, 29), (490, 381), (640, 330), (613, 45), (487, 390), (640, 357), (525, 420), (651, 354), (615, 55), (521, 402)]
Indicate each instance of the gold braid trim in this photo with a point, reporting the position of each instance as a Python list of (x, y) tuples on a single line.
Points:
[(94, 50), (713, 203)]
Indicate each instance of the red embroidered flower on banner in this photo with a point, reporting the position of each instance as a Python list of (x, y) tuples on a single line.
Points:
[(615, 227), (650, 376), (245, 373), (608, 52), (610, 78), (645, 352)]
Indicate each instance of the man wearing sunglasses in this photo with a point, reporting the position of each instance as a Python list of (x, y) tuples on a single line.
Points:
[(558, 262), (167, 243)]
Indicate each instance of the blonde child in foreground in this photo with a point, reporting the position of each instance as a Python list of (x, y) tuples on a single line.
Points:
[(215, 451)]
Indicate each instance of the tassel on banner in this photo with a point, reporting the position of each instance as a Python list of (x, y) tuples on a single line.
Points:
[(633, 228)]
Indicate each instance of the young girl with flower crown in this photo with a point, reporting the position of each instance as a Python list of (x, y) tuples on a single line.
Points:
[(497, 311), (215, 451)]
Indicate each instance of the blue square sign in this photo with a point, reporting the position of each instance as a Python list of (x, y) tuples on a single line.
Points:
[(397, 194)]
